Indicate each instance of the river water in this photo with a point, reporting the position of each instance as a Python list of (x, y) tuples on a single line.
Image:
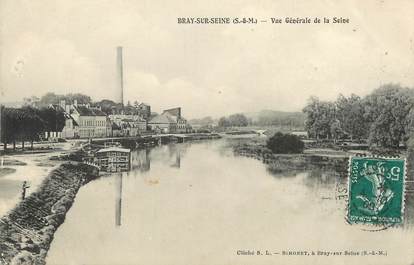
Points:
[(199, 204)]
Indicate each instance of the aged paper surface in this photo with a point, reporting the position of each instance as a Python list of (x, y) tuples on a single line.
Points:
[(206, 132)]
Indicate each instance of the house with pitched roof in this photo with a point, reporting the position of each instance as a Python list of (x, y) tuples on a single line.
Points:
[(70, 130), (170, 121), (92, 122), (164, 123), (130, 124)]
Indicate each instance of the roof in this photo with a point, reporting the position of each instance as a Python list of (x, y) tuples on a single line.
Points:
[(163, 118), (114, 149), (85, 111), (56, 107), (135, 120), (73, 121)]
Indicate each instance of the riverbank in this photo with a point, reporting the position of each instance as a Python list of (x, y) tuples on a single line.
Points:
[(27, 231), (15, 169), (331, 160), (154, 140)]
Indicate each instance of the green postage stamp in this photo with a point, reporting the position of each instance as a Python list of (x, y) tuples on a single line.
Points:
[(376, 190)]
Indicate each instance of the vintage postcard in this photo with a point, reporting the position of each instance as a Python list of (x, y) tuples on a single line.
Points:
[(226, 132)]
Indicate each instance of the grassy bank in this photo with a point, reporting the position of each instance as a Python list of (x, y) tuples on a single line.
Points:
[(280, 163), (27, 231)]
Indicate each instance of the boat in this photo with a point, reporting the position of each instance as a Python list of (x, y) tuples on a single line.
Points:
[(114, 159)]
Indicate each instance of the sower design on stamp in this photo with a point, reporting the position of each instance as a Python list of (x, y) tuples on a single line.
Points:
[(376, 190)]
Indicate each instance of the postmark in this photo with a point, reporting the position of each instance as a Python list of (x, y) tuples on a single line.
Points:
[(376, 190)]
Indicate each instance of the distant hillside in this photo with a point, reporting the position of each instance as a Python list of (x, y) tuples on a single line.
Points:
[(277, 118), (206, 121)]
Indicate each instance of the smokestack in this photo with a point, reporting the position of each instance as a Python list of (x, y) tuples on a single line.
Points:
[(120, 76)]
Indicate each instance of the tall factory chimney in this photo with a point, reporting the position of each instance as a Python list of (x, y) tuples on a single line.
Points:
[(119, 76)]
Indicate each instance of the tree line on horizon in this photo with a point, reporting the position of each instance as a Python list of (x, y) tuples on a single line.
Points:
[(106, 105), (234, 120), (268, 118), (52, 98), (384, 118)]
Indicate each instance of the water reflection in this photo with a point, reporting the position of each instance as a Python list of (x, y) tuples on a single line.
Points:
[(170, 154), (118, 199), (175, 154), (179, 199), (140, 160), (321, 177)]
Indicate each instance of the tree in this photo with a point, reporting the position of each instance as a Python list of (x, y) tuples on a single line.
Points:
[(223, 122), (53, 120), (387, 111), (281, 143), (49, 98), (109, 106), (350, 113), (52, 98), (31, 101), (319, 117), (336, 130), (32, 126), (8, 129), (20, 125), (238, 120), (80, 98), (279, 118), (12, 126)]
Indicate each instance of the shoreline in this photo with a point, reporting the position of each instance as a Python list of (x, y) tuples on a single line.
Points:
[(27, 231), (329, 160)]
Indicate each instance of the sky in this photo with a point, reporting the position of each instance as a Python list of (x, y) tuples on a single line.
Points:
[(65, 46)]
